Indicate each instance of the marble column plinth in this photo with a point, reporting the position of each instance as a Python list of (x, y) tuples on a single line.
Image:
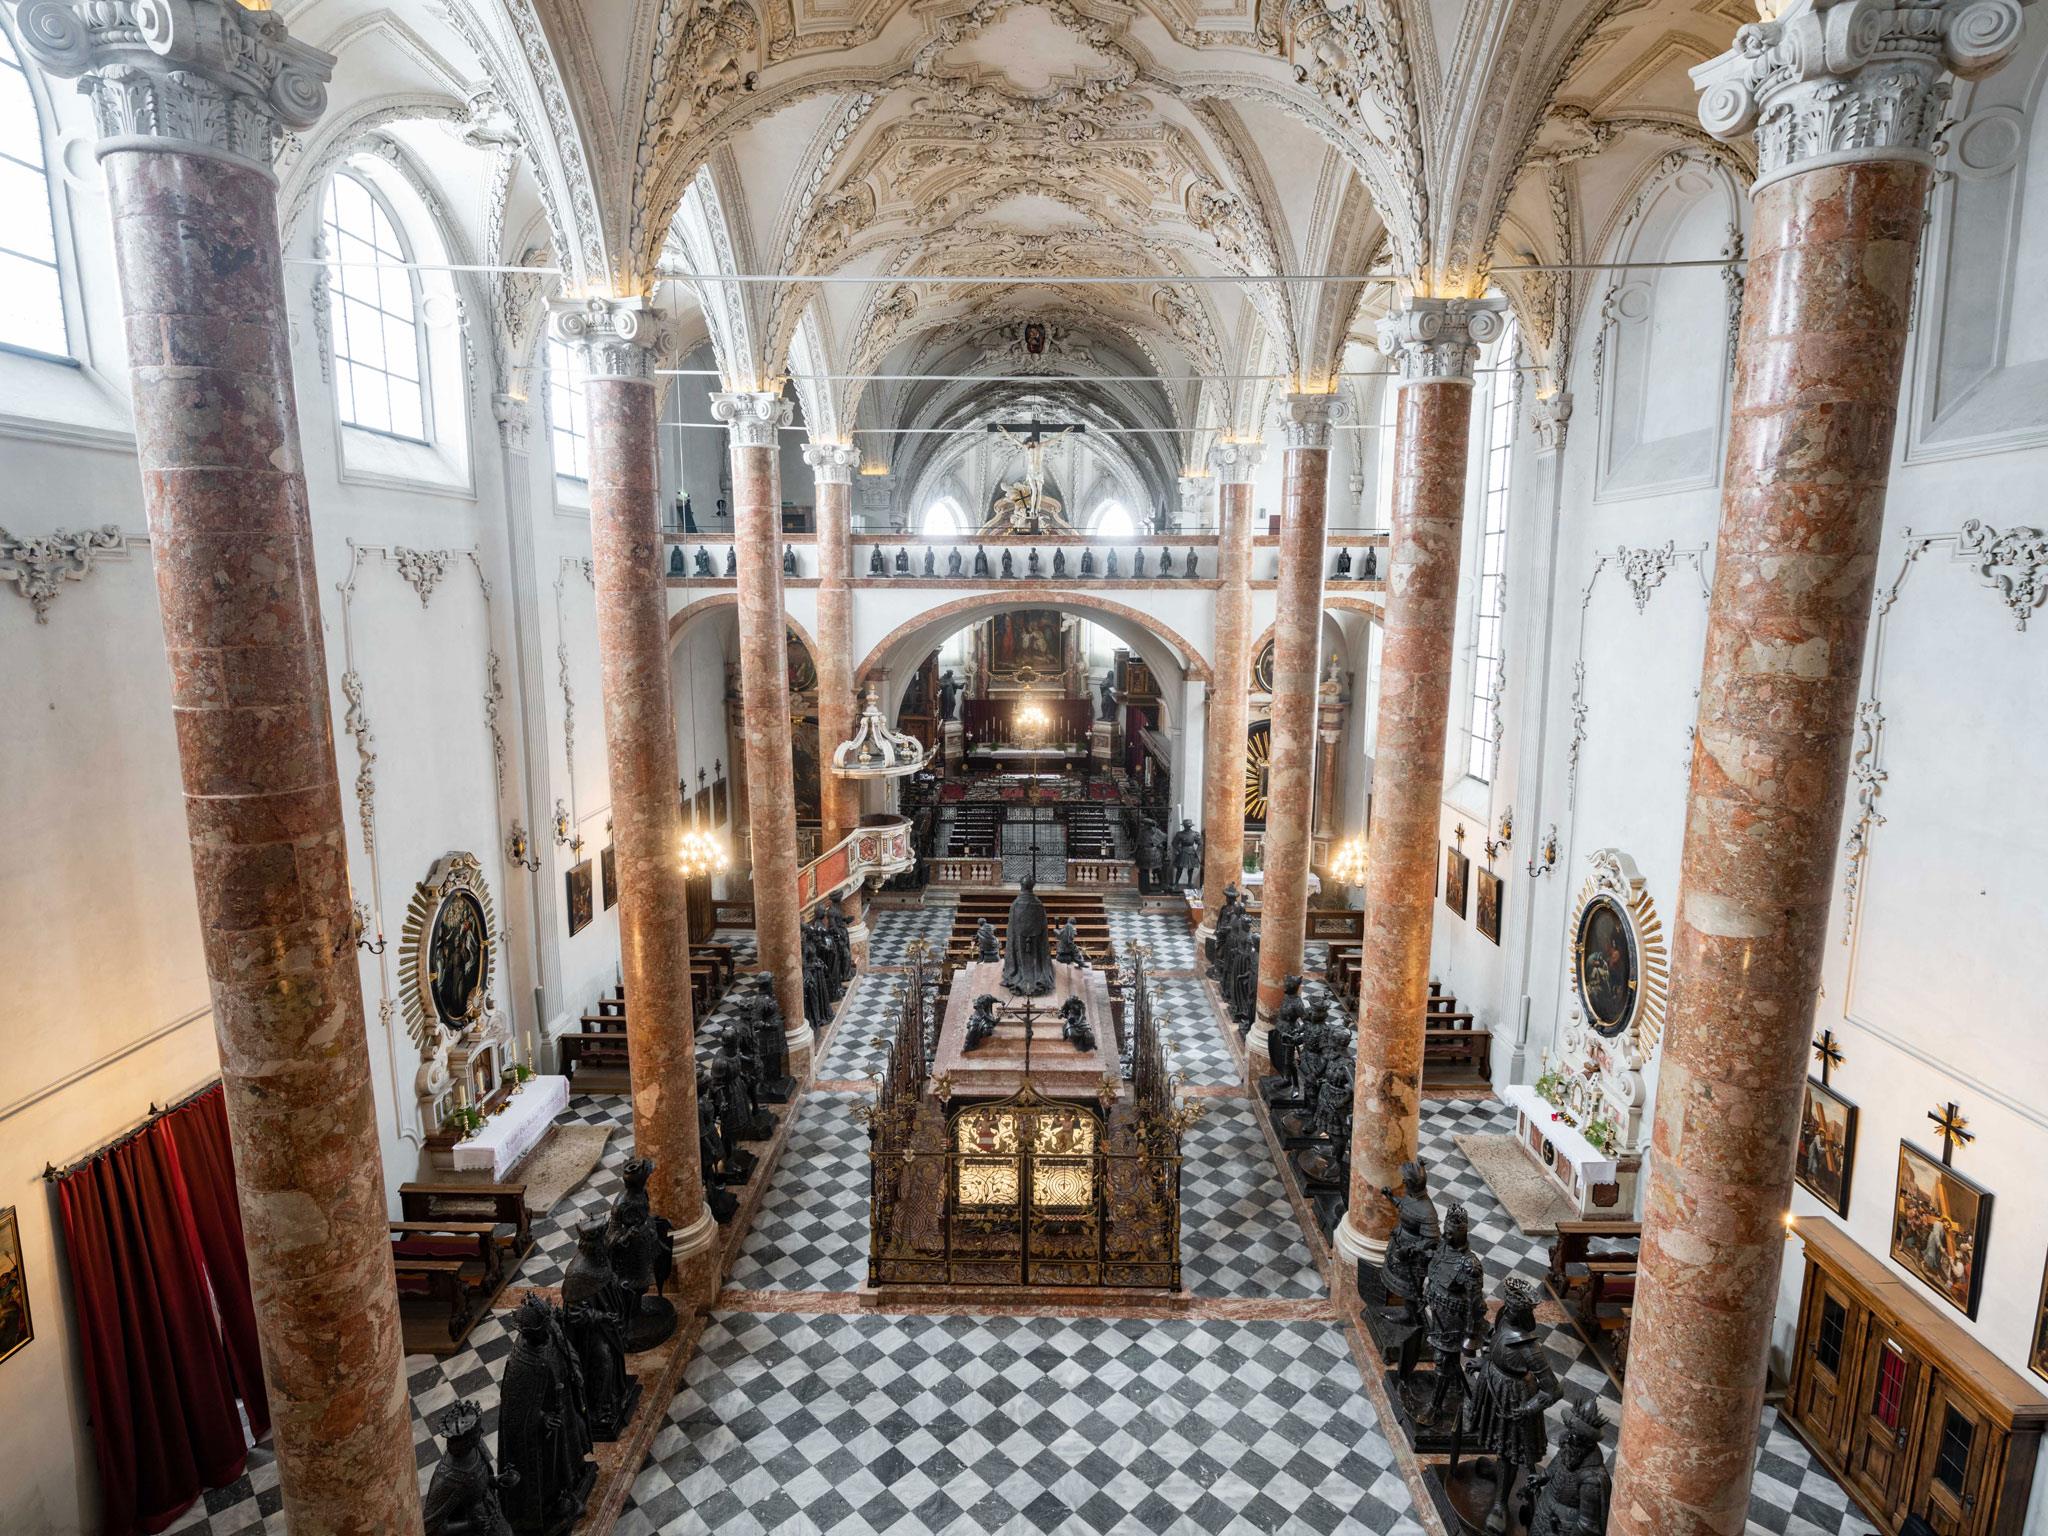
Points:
[(640, 754), (217, 437), (1817, 373), (1431, 423), (1297, 632), (764, 705), (1229, 702)]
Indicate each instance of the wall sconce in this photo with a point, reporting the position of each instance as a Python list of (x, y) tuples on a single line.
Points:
[(1544, 860), (362, 926), (566, 836), (517, 849)]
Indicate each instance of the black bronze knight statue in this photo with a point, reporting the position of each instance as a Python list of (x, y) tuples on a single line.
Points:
[(543, 1438), (462, 1499), (595, 1307)]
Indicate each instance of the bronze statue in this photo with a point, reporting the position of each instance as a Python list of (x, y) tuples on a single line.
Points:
[(876, 566), (1454, 1291), (1342, 570), (1109, 567), (1405, 1270), (1070, 952), (1571, 1492), (1059, 562), (771, 1045), (931, 562), (1087, 562), (732, 561), (1027, 958), (1189, 568), (953, 561), (1106, 704), (739, 1107), (595, 1307), (902, 561), (1074, 1024), (981, 1021), (712, 1155), (703, 564), (1031, 566), (985, 947), (1187, 855), (788, 560), (980, 562), (1290, 1027), (642, 1260), (1009, 566), (1511, 1388), (543, 1441), (462, 1499)]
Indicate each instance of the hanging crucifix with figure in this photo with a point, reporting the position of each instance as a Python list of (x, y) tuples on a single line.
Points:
[(1024, 510)]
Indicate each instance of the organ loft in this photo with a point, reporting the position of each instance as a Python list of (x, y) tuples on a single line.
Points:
[(1036, 766)]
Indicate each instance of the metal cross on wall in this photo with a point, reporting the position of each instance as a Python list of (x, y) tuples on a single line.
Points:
[(1828, 1054), (1949, 1121)]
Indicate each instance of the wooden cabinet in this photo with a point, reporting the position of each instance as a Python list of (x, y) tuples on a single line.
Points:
[(1913, 1415)]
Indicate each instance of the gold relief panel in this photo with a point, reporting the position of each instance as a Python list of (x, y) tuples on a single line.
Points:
[(1062, 1184), (986, 1181), (1069, 1133), (988, 1131)]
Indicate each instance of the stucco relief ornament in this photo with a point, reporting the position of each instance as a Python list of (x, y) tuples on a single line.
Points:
[(37, 566), (1550, 416), (203, 76), (421, 568), (1645, 569), (832, 463), (1438, 340), (1836, 81), (1235, 463), (1310, 418), (752, 417), (2015, 562), (514, 415), (616, 338)]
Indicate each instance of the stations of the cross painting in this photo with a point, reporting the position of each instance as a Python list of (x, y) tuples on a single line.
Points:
[(1023, 509)]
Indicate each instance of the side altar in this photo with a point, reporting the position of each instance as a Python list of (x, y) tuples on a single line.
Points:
[(1026, 1143)]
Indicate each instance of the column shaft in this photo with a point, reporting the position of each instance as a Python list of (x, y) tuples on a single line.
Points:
[(837, 712), (217, 434), (1229, 700), (764, 702), (1297, 630), (1817, 369), (640, 754), (1430, 428)]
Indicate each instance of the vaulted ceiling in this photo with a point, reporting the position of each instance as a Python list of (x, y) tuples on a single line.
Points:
[(848, 153)]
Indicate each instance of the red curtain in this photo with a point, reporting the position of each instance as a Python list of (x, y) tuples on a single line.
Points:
[(199, 1131), (152, 1255)]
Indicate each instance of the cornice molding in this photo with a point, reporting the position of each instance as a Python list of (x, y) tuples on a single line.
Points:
[(199, 77)]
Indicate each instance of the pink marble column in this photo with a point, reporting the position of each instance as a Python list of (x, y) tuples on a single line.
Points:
[(1431, 344), (1230, 694), (753, 421), (1836, 227), (217, 436), (616, 338), (1297, 631), (832, 469)]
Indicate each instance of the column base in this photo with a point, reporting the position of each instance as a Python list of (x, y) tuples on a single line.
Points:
[(857, 936), (799, 1043), (1354, 1246), (700, 1261), (1258, 1046)]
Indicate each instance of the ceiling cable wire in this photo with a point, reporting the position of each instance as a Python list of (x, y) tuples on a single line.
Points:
[(719, 426), (1064, 378), (1030, 279)]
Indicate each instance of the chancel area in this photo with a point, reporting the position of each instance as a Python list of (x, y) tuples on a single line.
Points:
[(1030, 766)]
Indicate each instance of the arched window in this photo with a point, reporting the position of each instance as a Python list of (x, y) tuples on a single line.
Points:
[(31, 295), (568, 415), (380, 362), (942, 518), (1489, 647), (1113, 521)]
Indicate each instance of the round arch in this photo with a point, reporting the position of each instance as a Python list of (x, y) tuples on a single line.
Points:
[(719, 602), (1126, 623)]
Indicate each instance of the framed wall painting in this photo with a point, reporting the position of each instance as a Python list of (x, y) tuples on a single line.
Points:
[(1941, 1222), (608, 873), (1827, 1146), (1488, 915), (2037, 1352), (1457, 877), (579, 883), (15, 1328)]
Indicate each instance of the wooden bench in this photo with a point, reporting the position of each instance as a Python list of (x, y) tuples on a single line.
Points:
[(454, 1248), (1596, 1285), (1453, 1044), (502, 1205)]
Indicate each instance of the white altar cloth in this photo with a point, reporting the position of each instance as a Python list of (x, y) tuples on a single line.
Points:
[(515, 1130)]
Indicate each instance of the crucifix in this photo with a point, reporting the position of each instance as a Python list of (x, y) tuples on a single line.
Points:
[(1949, 1121), (1033, 444), (1827, 1053)]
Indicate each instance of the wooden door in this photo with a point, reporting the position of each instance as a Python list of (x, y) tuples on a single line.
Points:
[(1954, 1455), (1890, 1386), (1831, 1326)]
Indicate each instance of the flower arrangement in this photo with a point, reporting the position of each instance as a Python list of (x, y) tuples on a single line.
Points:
[(1550, 1087), (520, 1073), (465, 1120), (1601, 1132)]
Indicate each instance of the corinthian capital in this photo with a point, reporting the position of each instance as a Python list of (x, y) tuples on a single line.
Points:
[(201, 77), (1436, 341), (1830, 81), (1310, 417), (1235, 462), (831, 463), (752, 417), (615, 338)]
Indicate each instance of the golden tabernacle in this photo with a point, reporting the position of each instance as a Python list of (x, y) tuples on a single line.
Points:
[(1044, 1155)]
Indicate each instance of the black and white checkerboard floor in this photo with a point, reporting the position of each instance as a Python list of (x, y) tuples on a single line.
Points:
[(892, 929), (876, 1423), (866, 1026), (1238, 1233), (1187, 1022), (811, 1232), (1169, 941)]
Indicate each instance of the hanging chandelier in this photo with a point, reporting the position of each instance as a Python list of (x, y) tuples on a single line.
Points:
[(1348, 864), (876, 751), (701, 853)]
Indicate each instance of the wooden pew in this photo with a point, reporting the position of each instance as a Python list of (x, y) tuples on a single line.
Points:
[(1593, 1276), (454, 1248)]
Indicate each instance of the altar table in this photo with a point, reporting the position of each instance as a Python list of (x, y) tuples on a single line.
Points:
[(515, 1130)]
